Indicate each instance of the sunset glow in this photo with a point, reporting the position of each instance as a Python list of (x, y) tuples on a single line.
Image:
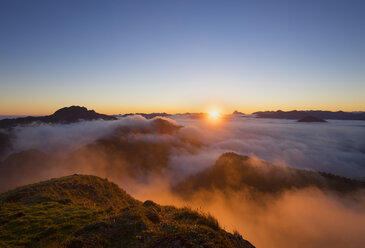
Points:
[(214, 114), (236, 123), (181, 64)]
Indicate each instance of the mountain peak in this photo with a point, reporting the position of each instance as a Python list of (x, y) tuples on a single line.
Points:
[(73, 109), (75, 113)]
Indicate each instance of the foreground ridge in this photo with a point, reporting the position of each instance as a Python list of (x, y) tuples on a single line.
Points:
[(88, 211)]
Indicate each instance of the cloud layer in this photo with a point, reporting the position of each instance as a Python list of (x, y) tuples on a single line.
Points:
[(336, 147), (149, 157)]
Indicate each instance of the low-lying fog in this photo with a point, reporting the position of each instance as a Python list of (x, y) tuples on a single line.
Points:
[(148, 160), (336, 146)]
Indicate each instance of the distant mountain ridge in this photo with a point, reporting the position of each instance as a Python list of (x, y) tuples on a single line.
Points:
[(64, 115), (327, 115)]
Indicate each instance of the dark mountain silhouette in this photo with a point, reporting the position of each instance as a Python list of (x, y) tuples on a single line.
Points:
[(236, 173), (310, 118), (237, 113), (326, 115), (87, 211), (75, 113), (65, 115)]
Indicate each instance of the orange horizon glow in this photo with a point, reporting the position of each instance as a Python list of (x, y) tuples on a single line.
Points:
[(39, 109), (110, 112)]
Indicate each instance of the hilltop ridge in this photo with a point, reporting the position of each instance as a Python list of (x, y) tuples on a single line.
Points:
[(87, 211)]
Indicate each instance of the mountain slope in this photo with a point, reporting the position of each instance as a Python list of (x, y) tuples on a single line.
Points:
[(87, 211), (76, 189), (45, 214), (151, 225), (237, 173)]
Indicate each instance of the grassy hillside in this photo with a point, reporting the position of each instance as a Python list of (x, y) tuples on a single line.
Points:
[(151, 225), (87, 211)]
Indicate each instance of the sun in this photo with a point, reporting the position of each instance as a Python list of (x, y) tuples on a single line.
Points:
[(214, 114)]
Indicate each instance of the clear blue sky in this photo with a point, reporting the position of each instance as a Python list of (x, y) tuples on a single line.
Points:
[(178, 56)]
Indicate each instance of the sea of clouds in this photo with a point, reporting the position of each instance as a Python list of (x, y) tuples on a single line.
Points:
[(297, 218), (336, 147)]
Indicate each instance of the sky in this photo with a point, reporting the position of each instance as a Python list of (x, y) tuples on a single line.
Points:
[(181, 56)]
